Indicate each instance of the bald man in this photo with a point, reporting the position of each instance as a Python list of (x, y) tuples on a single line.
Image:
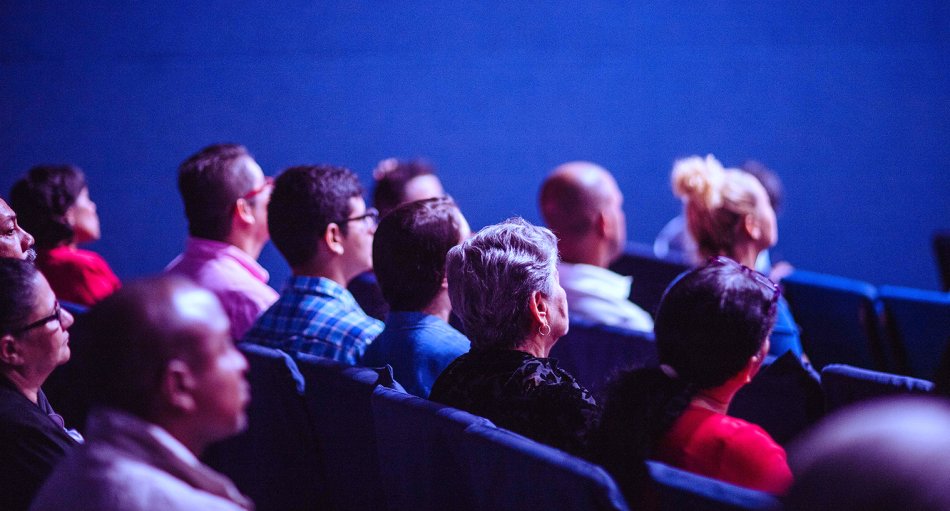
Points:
[(15, 243), (581, 203), (166, 381)]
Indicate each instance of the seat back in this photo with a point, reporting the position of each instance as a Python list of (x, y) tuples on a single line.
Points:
[(595, 353), (917, 323), (508, 471), (843, 385), (942, 254), (838, 319), (419, 454), (678, 489), (276, 460), (784, 398), (338, 398), (651, 275)]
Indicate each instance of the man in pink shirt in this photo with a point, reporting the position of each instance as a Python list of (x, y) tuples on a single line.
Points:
[(226, 195)]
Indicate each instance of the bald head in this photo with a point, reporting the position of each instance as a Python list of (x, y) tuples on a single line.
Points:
[(582, 204), (136, 332)]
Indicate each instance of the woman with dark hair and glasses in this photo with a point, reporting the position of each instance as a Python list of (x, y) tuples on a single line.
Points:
[(728, 213), (712, 333), (33, 341), (53, 203)]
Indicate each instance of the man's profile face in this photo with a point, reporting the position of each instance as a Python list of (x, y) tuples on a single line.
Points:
[(613, 208), (358, 242), (15, 243), (221, 390), (261, 190)]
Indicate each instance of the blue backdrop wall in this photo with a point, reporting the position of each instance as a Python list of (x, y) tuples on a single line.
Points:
[(849, 102)]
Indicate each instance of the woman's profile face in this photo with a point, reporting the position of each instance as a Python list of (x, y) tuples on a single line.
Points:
[(46, 345), (765, 216), (557, 307), (85, 219)]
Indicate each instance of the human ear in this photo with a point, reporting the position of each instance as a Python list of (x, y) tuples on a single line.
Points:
[(334, 238), (539, 307), (9, 354), (70, 216), (177, 386), (752, 227), (243, 210)]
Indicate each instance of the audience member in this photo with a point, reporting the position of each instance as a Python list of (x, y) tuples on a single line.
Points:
[(15, 242), (503, 285), (166, 381), (54, 204), (397, 182), (675, 241), (581, 203), (319, 222), (728, 213), (712, 330), (33, 341), (409, 252), (884, 455), (225, 195), (402, 181)]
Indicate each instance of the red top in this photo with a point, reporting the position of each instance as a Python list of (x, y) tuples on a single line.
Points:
[(725, 448), (78, 276)]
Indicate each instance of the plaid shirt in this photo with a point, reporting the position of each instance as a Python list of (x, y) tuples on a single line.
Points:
[(315, 315)]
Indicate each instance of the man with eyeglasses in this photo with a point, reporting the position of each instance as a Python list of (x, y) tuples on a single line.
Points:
[(225, 194), (319, 222)]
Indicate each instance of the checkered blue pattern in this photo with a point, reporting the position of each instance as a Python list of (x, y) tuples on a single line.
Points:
[(315, 315)]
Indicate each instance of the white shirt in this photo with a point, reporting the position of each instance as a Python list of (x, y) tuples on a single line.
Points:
[(599, 295)]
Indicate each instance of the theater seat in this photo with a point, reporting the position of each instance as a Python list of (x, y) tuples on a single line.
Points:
[(595, 353), (917, 323), (276, 460), (838, 319), (651, 275), (843, 385), (681, 490), (338, 399), (509, 471), (419, 452), (784, 398)]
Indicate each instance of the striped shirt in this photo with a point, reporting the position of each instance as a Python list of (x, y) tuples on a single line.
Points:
[(317, 316)]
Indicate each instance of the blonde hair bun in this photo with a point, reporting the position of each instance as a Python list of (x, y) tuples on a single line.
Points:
[(698, 179)]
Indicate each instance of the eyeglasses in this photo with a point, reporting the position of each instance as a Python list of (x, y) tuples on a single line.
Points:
[(268, 182), (57, 315), (371, 217)]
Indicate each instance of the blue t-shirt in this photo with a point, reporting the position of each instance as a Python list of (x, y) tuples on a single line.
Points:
[(418, 346), (785, 334)]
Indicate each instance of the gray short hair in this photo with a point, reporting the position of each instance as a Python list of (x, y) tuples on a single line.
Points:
[(492, 276)]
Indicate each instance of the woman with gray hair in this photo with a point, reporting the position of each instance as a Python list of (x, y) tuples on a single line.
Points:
[(503, 284)]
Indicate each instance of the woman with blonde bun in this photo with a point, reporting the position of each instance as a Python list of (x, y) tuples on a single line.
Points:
[(728, 213)]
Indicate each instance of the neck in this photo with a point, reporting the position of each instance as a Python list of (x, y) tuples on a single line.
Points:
[(26, 385), (585, 250), (718, 398), (319, 268), (746, 255), (247, 244), (537, 345), (440, 306)]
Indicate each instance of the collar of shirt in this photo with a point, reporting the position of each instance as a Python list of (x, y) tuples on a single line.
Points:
[(595, 280), (302, 284), (202, 248)]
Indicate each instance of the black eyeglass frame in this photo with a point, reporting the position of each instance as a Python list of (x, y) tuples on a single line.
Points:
[(371, 213), (57, 315), (759, 277)]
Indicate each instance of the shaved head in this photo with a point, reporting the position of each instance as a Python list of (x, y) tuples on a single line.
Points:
[(580, 199), (139, 329), (573, 195)]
